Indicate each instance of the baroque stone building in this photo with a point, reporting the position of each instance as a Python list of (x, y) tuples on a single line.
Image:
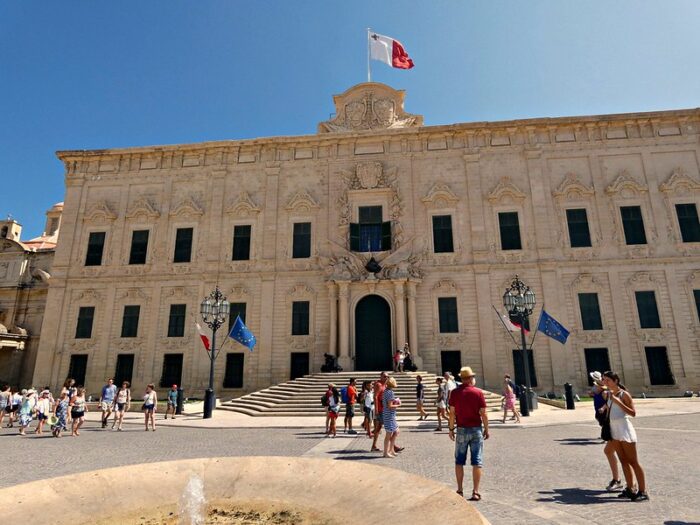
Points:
[(377, 231), (25, 268)]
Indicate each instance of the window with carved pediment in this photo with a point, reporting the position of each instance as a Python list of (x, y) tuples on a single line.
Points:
[(130, 320), (301, 240), (590, 311), (579, 232), (633, 225), (647, 309), (95, 248), (442, 234), (241, 242), (509, 229), (688, 223), (176, 320), (83, 328), (139, 246), (183, 245)]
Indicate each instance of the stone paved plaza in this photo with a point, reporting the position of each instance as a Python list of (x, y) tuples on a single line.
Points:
[(538, 474)]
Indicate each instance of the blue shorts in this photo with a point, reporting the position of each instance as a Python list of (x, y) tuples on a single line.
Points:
[(469, 438)]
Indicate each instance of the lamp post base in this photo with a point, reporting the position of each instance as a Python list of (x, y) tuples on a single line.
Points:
[(209, 402)]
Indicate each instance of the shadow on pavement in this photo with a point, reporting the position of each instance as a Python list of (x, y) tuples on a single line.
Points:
[(579, 441), (579, 496)]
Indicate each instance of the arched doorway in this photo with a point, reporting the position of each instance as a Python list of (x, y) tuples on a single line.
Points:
[(372, 334)]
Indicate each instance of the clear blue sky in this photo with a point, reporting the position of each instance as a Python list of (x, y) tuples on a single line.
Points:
[(88, 74)]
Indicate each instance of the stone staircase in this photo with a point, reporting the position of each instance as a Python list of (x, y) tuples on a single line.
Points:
[(302, 396)]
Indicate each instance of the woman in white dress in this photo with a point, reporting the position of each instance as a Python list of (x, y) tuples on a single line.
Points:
[(621, 406)]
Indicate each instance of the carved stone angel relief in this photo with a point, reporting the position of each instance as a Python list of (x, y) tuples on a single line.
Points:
[(370, 106)]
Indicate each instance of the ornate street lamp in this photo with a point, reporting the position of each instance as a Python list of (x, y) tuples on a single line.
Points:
[(519, 301), (214, 311)]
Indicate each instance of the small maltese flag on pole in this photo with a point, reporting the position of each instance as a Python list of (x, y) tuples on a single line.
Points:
[(205, 338), (388, 50)]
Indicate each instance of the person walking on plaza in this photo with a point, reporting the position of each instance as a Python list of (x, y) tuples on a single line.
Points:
[(61, 414), (107, 400), (15, 402), (509, 400), (333, 403), (391, 428), (397, 358), (78, 407), (469, 427), (5, 402), (440, 402), (27, 411), (367, 401), (43, 410), (599, 393), (420, 398), (70, 390), (351, 394), (122, 403), (172, 402), (150, 404), (621, 407), (378, 407)]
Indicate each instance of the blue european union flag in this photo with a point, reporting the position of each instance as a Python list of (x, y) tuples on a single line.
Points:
[(550, 327), (240, 333)]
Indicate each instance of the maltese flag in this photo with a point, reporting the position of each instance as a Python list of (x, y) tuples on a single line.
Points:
[(390, 51), (205, 338), (511, 325)]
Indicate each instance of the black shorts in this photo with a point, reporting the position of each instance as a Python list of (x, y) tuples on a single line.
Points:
[(76, 414)]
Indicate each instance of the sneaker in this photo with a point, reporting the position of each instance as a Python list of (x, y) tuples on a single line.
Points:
[(627, 493), (614, 485), (640, 496), (351, 431)]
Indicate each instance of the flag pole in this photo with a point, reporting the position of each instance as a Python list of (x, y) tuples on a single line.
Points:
[(504, 325), (537, 326), (369, 70)]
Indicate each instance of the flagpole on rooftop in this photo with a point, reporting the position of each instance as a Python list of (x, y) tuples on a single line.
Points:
[(369, 69)]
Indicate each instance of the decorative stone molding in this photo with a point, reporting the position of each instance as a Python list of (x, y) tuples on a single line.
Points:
[(133, 294), (81, 345), (440, 196), (641, 279), (89, 295), (179, 292), (445, 287), (187, 207), (451, 340), (370, 106), (653, 335), (174, 343), (679, 183), (142, 207), (243, 206), (300, 342), (238, 291), (586, 281), (506, 192), (302, 202), (301, 291), (625, 186), (99, 212), (571, 188)]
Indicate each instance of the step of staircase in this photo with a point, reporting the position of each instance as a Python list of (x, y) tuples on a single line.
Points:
[(302, 396)]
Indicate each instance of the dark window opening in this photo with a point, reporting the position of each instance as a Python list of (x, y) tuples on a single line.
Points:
[(688, 222), (597, 360), (696, 296), (509, 226), (176, 321), (451, 361), (96, 244), (235, 310), (633, 225), (579, 233), (519, 369), (172, 370), (139, 247), (241, 242), (233, 376), (124, 370), (370, 234), (77, 368), (300, 318), (447, 309), (590, 312), (647, 309), (299, 365), (86, 316), (659, 366), (442, 234), (301, 242), (183, 245), (130, 321)]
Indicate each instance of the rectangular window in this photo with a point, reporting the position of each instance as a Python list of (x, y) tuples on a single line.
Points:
[(241, 242), (96, 244), (86, 315), (696, 295), (183, 245), (447, 309), (647, 309), (139, 247), (301, 242), (124, 370), (130, 321), (176, 321), (590, 312), (451, 361), (172, 370), (519, 369), (688, 222), (235, 309), (370, 234), (579, 233), (658, 365), (233, 376), (509, 226), (299, 365), (300, 318), (597, 360), (78, 368), (633, 224), (442, 234)]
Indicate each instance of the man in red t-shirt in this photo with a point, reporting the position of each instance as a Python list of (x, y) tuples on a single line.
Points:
[(467, 415), (350, 406)]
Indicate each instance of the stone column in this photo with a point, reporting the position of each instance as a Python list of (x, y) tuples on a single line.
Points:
[(344, 328), (333, 304), (489, 361), (400, 320), (413, 324)]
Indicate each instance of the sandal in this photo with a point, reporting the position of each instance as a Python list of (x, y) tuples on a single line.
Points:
[(475, 496), (460, 493)]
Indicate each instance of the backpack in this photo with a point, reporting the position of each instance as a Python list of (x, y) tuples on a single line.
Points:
[(516, 389), (324, 400), (344, 395)]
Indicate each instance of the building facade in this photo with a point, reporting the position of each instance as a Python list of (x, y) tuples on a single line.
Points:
[(25, 268), (377, 231)]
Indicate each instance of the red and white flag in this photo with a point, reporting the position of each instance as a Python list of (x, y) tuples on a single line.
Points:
[(511, 325), (388, 50), (204, 337)]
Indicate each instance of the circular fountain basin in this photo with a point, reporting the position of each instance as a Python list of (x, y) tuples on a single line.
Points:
[(300, 490)]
